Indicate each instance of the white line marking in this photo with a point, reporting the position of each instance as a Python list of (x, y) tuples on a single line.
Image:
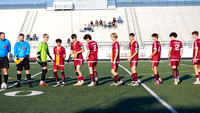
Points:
[(152, 93), (24, 80)]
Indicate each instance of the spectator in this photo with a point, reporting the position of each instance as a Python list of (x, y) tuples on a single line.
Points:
[(114, 20), (35, 37), (96, 23), (68, 41), (109, 25), (91, 23), (85, 27), (104, 24), (120, 20), (101, 22), (28, 38), (114, 24)]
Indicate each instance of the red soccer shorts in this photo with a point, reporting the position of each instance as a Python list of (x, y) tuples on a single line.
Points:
[(154, 64), (196, 63), (78, 62), (174, 63), (60, 67), (133, 63), (92, 63)]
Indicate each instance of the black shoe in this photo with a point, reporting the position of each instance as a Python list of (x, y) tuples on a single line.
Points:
[(97, 83), (30, 85), (18, 84)]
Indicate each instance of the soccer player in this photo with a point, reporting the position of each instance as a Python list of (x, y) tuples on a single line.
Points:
[(92, 58), (43, 51), (174, 54), (21, 52), (5, 48), (156, 54), (115, 59), (77, 49), (60, 56), (134, 51), (196, 56)]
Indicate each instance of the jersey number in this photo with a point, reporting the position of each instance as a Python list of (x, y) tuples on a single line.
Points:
[(177, 46)]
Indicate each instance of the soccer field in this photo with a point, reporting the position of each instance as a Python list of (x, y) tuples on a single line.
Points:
[(184, 97)]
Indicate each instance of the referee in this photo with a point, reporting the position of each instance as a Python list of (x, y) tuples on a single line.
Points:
[(5, 48), (22, 51)]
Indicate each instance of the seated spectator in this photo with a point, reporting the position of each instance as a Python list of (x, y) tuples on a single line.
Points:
[(114, 20), (28, 38), (101, 22), (85, 27), (68, 41), (92, 24), (114, 24), (109, 25), (120, 20), (104, 24), (89, 27), (96, 23), (35, 37)]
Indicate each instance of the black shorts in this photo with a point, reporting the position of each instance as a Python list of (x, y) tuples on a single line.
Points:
[(24, 63), (43, 64), (4, 62)]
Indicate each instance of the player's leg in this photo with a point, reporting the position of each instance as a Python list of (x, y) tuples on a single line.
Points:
[(27, 71), (156, 74), (5, 70), (115, 74), (78, 69), (91, 71), (95, 73), (0, 77), (56, 76), (196, 74), (44, 72), (19, 76), (174, 68), (134, 74), (63, 77)]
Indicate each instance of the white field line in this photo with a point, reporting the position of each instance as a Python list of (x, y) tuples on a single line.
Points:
[(24, 80), (152, 93)]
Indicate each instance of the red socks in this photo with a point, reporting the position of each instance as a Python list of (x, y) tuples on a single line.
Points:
[(63, 76), (197, 76), (116, 78), (56, 76), (92, 77), (95, 74), (134, 77), (175, 73)]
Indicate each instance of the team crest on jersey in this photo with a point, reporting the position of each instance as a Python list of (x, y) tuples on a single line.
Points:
[(23, 48), (4, 46)]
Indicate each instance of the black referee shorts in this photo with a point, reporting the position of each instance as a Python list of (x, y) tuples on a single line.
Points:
[(23, 64), (43, 64), (4, 62)]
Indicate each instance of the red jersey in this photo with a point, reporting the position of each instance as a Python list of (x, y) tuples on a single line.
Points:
[(176, 46), (59, 55), (196, 46), (76, 47), (93, 48), (156, 46), (115, 47), (134, 46)]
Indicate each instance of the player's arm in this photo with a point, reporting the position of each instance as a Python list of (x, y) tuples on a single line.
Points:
[(116, 55), (71, 52), (131, 57), (15, 50), (39, 50), (64, 54), (196, 52), (154, 52), (88, 53), (28, 50), (9, 46), (169, 53)]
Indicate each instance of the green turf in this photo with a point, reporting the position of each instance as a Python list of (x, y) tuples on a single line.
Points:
[(103, 98)]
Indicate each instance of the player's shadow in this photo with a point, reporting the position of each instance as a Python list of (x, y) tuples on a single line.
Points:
[(148, 79), (128, 105), (167, 78), (105, 80), (185, 77)]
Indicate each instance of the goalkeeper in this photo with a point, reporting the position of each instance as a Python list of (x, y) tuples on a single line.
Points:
[(21, 52), (43, 51)]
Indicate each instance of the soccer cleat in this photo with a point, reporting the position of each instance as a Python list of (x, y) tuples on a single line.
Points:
[(56, 85), (62, 85), (157, 83), (131, 84), (136, 84), (175, 83), (30, 85), (43, 84), (160, 80), (114, 84), (18, 84), (178, 80), (78, 84), (196, 82), (119, 82), (91, 84), (97, 83)]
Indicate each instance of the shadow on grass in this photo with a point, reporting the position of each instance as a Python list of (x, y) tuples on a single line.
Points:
[(129, 105)]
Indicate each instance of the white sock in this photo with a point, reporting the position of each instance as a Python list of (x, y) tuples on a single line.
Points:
[(79, 81), (63, 82), (57, 82), (82, 81), (157, 81), (96, 78), (42, 81), (197, 79), (92, 82), (175, 80)]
